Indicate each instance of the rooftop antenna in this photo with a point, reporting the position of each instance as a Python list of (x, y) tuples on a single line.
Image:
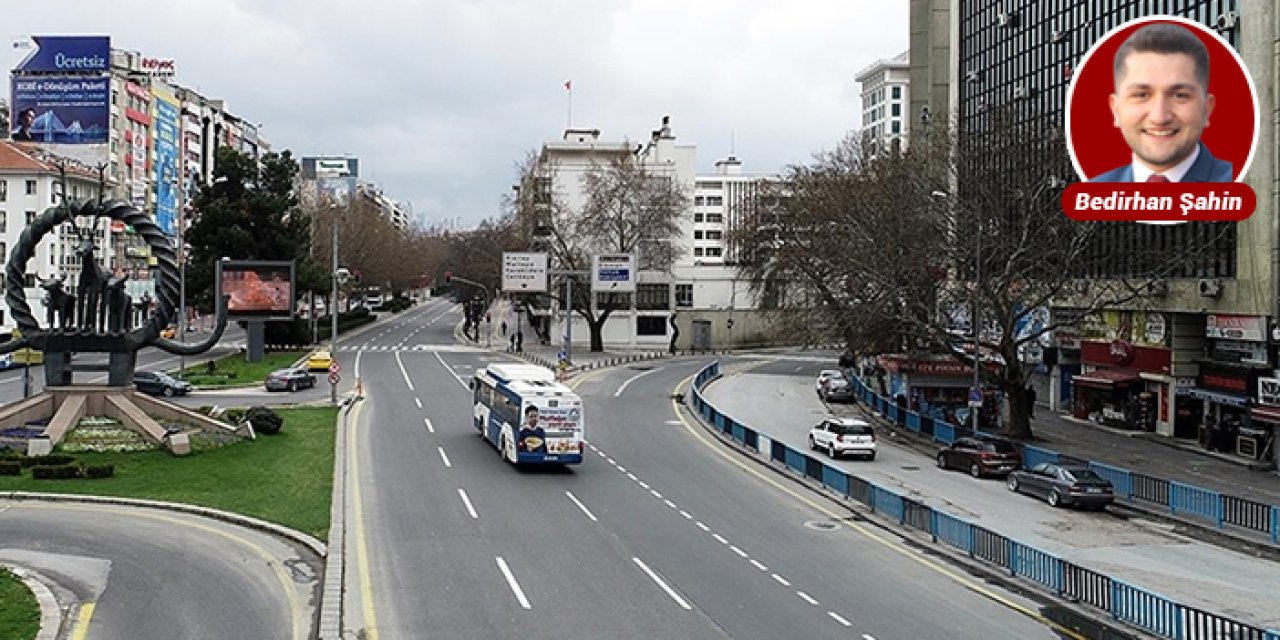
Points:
[(732, 143)]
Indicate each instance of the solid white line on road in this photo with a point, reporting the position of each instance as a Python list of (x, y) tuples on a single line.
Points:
[(628, 381), (449, 369), (719, 538), (835, 616), (467, 502), (673, 422), (581, 506), (671, 592), (781, 580), (417, 401), (868, 637), (444, 456), (740, 552), (702, 526), (759, 565), (807, 598), (430, 427), (511, 581), (403, 372)]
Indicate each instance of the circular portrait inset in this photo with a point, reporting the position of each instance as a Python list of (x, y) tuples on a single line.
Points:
[(1161, 99)]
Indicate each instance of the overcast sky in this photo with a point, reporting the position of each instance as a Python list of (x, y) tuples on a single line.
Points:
[(441, 98)]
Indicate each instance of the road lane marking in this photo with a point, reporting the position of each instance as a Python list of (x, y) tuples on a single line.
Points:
[(403, 371), (622, 469), (362, 545), (628, 381), (740, 552), (450, 370), (665, 587), (702, 526), (511, 581), (807, 598), (581, 506), (82, 621), (838, 618), (671, 504), (759, 565), (418, 402), (467, 501), (445, 457), (643, 484), (896, 547), (686, 515), (781, 580), (719, 538), (430, 427), (654, 493)]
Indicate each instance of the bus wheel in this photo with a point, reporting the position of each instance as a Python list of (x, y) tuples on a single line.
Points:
[(503, 450)]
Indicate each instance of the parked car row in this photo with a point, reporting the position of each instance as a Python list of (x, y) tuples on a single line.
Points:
[(980, 456)]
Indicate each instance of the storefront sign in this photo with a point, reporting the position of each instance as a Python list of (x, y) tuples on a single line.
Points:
[(1149, 359), (1255, 352), (939, 368), (1121, 352), (1219, 378), (1235, 327), (1156, 329), (1269, 391)]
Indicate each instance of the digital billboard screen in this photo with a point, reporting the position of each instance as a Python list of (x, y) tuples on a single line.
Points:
[(257, 289)]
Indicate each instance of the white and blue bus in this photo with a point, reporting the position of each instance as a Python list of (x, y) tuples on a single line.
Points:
[(527, 415)]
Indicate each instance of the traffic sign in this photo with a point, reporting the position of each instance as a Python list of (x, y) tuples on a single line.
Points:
[(334, 378), (334, 366), (975, 397)]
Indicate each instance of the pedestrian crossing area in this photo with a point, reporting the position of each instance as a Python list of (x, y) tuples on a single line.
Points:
[(424, 348)]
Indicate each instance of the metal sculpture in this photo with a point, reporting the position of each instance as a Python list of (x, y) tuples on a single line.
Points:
[(102, 322)]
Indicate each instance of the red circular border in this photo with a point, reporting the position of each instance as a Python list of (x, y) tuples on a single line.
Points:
[(1233, 126)]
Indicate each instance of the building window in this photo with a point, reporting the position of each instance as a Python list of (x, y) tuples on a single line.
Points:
[(684, 296), (715, 201), (4, 250), (896, 110), (697, 201), (714, 252), (697, 217), (712, 186), (896, 93), (653, 297), (715, 235), (897, 126), (4, 190), (4, 222), (31, 187), (697, 252), (613, 300), (697, 235), (651, 326), (715, 217), (31, 217), (29, 281)]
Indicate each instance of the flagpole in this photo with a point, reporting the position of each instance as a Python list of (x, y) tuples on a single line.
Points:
[(568, 119)]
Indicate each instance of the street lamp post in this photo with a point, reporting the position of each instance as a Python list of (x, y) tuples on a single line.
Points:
[(182, 271), (333, 310)]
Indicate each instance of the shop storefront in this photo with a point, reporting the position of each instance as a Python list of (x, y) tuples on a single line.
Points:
[(1241, 405), (1225, 391), (1124, 385), (1257, 440), (937, 389)]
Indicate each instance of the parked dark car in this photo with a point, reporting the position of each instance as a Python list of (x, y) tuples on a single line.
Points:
[(1064, 485), (289, 380), (160, 384), (981, 456)]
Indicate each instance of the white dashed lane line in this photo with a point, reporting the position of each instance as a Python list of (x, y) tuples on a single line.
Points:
[(445, 457), (807, 598)]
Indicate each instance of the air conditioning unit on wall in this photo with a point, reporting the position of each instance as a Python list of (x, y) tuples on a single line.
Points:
[(1210, 287)]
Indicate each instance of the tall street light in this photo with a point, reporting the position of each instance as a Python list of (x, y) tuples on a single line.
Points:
[(333, 308), (182, 266)]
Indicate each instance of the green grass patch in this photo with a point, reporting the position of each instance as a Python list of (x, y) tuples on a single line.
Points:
[(235, 370), (19, 611), (285, 478)]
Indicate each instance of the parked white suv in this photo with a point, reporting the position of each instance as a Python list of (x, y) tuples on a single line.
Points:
[(841, 436)]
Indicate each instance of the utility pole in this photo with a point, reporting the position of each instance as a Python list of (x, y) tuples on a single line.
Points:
[(568, 274), (333, 309), (182, 269)]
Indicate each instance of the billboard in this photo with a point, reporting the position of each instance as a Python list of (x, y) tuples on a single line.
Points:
[(65, 54), (259, 290), (613, 272), (69, 115), (336, 190), (526, 272), (330, 167), (166, 160)]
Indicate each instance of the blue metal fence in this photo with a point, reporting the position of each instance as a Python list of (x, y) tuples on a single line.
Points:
[(1032, 456), (1124, 602)]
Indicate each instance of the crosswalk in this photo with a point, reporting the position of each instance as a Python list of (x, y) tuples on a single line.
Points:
[(426, 348)]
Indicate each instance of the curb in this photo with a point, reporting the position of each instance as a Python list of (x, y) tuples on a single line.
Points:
[(51, 619), (1102, 626), (333, 590)]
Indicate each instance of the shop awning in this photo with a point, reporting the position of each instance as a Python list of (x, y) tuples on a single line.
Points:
[(1218, 397), (1266, 414), (1105, 378)]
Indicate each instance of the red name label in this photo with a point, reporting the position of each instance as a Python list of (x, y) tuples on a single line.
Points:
[(1159, 202)]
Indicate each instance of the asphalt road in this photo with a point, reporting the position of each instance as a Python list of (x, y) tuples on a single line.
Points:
[(659, 534), (778, 398), (143, 573)]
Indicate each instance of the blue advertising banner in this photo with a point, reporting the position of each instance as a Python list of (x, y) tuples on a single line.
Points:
[(67, 54), (61, 109), (166, 160)]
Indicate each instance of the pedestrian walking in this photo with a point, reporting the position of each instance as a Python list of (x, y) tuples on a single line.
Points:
[(504, 327), (1031, 402), (512, 349), (519, 342)]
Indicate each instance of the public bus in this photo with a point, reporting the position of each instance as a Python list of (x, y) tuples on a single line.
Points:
[(528, 416)]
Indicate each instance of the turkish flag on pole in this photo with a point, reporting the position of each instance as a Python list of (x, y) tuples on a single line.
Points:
[(568, 85)]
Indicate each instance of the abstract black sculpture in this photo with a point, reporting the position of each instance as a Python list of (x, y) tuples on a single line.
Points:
[(102, 322)]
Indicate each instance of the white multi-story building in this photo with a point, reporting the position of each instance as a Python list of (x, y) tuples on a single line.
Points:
[(702, 283), (28, 187), (886, 94)]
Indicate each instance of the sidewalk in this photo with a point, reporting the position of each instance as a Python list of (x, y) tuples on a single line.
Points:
[(1154, 455)]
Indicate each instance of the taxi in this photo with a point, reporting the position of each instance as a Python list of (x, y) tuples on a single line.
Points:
[(319, 361)]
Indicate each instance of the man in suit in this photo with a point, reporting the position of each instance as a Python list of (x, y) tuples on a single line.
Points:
[(1161, 105)]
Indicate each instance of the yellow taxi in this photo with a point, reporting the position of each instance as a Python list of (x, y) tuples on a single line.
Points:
[(169, 332), (319, 361)]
